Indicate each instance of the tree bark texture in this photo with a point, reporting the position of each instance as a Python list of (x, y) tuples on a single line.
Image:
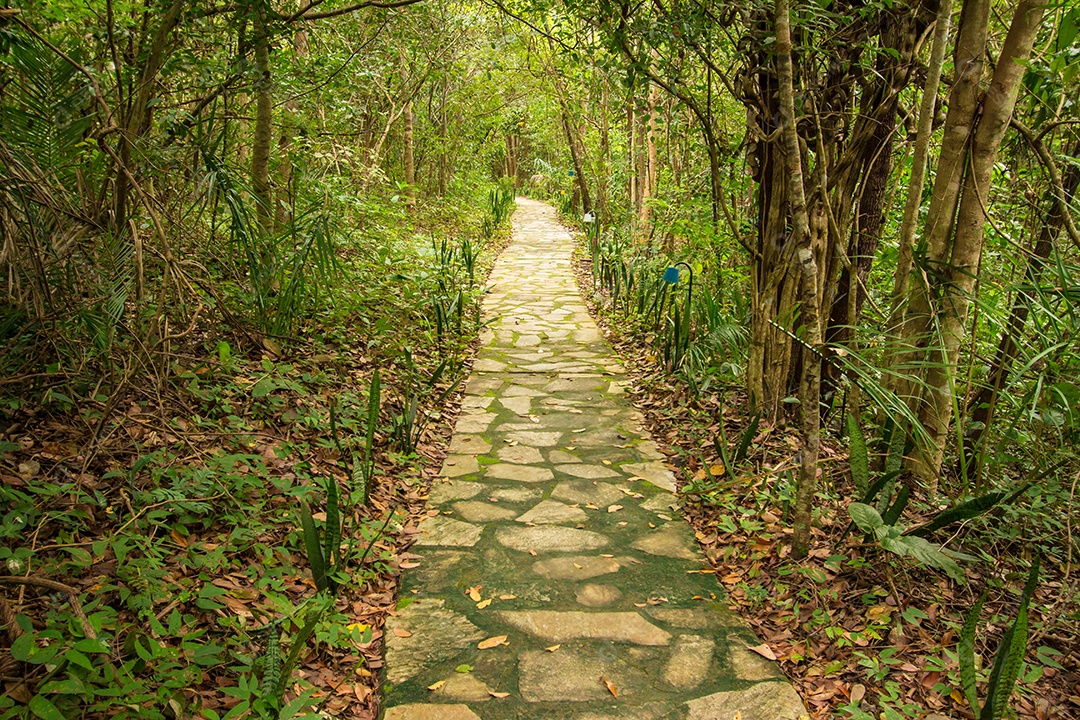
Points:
[(956, 288)]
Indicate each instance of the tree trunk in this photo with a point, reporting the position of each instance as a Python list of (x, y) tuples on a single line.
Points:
[(648, 185), (917, 180), (997, 108), (969, 59), (260, 147), (980, 409), (410, 163), (811, 364)]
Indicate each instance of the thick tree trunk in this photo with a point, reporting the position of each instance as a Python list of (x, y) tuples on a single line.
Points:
[(963, 269)]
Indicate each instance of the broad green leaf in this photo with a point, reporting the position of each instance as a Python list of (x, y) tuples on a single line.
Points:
[(867, 518), (44, 709), (860, 459)]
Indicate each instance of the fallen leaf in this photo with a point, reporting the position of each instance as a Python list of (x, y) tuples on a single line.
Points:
[(610, 686), (402, 632), (614, 508), (553, 648), (474, 593), (436, 685), (499, 695), (483, 604), (764, 651), (577, 566), (858, 692), (463, 668), (491, 642), (606, 462), (507, 597)]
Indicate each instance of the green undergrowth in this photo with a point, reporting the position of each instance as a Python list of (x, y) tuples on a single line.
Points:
[(869, 625), (162, 508)]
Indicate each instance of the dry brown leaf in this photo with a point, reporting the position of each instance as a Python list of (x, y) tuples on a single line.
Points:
[(507, 597), (499, 695), (553, 648), (610, 686), (436, 685), (402, 632), (483, 604), (764, 651), (614, 508), (491, 642), (474, 593)]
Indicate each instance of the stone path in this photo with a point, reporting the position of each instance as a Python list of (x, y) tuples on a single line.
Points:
[(554, 578)]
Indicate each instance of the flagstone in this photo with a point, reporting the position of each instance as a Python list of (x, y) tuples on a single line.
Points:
[(520, 454), (486, 365), (748, 665), (474, 423), (763, 701), (522, 391), (534, 439), (578, 567), (447, 532), (551, 512), (520, 404), (587, 491), (689, 663), (521, 473), (469, 445), (432, 634), (430, 711), (476, 401), (442, 492), (549, 538), (558, 456), (514, 494), (463, 686), (458, 465), (671, 540), (588, 471), (478, 511), (595, 595), (654, 472), (559, 627)]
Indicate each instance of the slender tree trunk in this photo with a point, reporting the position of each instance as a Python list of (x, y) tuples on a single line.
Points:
[(997, 109), (137, 120), (811, 364), (409, 161), (260, 148), (631, 158), (980, 409), (650, 160), (969, 60), (917, 180)]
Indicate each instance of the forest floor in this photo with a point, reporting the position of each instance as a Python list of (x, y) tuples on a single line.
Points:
[(153, 531), (861, 633)]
